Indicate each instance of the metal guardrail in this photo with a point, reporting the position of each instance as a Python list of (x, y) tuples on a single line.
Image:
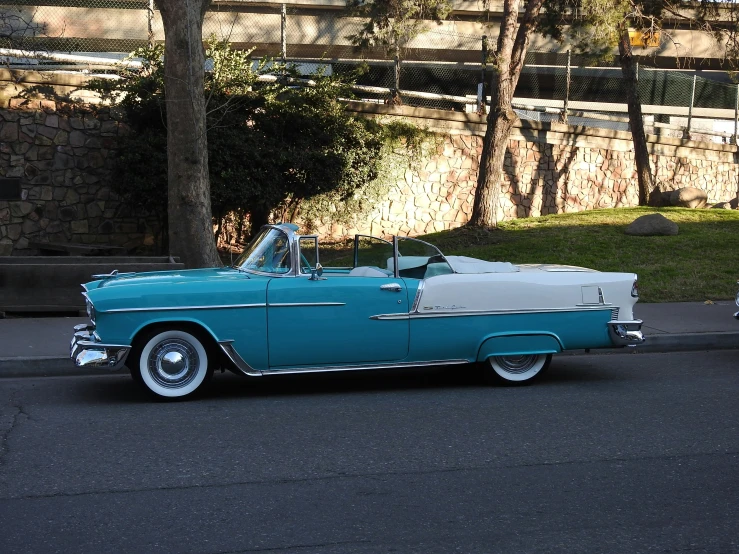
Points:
[(64, 34)]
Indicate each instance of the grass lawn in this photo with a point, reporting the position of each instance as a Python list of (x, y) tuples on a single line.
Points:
[(700, 263)]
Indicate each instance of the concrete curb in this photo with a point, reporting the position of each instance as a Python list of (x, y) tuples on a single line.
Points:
[(686, 342), (62, 366)]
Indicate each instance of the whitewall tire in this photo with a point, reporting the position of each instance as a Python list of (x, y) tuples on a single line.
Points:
[(172, 364), (517, 369)]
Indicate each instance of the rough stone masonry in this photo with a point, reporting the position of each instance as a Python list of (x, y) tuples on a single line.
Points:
[(63, 154)]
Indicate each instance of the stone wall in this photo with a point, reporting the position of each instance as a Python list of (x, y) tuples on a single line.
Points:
[(62, 155), (549, 168)]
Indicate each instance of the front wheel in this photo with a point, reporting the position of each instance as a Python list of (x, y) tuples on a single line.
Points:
[(171, 364), (516, 369)]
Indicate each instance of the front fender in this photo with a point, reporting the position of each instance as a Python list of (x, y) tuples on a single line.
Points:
[(516, 344)]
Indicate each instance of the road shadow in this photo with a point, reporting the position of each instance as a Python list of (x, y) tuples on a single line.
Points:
[(122, 389)]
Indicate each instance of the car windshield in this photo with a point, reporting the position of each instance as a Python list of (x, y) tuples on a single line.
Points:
[(268, 252)]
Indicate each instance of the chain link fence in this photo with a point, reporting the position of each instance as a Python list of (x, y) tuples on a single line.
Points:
[(442, 68)]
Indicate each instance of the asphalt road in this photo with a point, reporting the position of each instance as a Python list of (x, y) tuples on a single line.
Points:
[(618, 453)]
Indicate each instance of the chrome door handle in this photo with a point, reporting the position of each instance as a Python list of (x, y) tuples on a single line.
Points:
[(392, 287)]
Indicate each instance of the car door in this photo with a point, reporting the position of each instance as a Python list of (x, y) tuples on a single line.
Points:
[(330, 321)]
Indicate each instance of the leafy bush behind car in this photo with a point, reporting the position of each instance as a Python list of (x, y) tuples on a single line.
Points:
[(273, 148)]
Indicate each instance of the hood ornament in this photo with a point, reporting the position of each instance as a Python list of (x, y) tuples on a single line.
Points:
[(112, 275)]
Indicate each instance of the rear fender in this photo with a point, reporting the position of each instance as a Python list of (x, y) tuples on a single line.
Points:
[(516, 344)]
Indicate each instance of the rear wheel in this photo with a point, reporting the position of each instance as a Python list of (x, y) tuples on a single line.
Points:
[(171, 363), (516, 369)]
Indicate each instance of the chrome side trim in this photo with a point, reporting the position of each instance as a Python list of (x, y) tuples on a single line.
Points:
[(238, 361), (304, 304), (391, 316), (389, 365), (424, 315), (417, 299), (599, 305), (179, 308)]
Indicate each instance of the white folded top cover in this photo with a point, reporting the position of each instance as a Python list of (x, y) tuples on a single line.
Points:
[(463, 264)]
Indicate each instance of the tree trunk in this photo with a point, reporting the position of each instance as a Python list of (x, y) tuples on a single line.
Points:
[(508, 62), (490, 173), (636, 122), (190, 218)]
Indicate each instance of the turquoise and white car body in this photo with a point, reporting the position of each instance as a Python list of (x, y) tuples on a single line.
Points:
[(393, 304)]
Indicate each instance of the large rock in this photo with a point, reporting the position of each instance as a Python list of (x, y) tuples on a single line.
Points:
[(689, 197), (651, 225)]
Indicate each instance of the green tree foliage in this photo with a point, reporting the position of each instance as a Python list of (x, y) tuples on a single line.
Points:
[(392, 24), (594, 27), (721, 20), (299, 143), (272, 147)]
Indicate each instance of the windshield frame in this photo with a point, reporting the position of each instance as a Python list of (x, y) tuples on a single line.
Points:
[(253, 247)]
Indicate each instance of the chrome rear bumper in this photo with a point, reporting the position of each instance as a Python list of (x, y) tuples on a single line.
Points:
[(736, 315), (87, 351), (626, 333)]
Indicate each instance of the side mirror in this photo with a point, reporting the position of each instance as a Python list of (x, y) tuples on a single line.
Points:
[(315, 273)]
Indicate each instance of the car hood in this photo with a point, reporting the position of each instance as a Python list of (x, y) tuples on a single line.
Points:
[(169, 277)]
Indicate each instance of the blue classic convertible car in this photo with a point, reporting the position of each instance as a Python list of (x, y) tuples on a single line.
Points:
[(388, 304)]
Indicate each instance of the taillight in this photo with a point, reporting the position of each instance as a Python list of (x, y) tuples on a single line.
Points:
[(635, 289)]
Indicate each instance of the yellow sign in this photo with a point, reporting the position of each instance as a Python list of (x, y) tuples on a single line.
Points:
[(645, 40)]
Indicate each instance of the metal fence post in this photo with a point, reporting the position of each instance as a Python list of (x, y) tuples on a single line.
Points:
[(736, 115), (283, 32), (686, 134), (481, 92), (396, 85), (565, 107), (150, 22)]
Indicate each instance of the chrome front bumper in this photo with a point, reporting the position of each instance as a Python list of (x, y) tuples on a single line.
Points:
[(736, 315), (625, 333), (87, 351)]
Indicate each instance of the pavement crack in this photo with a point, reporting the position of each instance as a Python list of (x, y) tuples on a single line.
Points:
[(289, 481), (19, 413), (293, 547)]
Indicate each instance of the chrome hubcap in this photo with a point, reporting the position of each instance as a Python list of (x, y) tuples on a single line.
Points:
[(173, 363), (517, 364)]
